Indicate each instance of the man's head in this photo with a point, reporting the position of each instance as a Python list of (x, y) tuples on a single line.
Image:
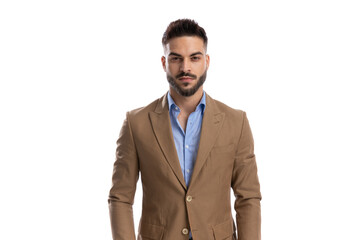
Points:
[(185, 60)]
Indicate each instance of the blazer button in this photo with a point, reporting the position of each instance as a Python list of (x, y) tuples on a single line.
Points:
[(185, 231), (189, 198)]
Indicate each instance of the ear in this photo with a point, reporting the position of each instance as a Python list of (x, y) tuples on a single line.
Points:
[(163, 62), (207, 61)]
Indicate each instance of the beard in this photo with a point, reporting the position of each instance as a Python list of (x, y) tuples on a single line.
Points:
[(186, 92)]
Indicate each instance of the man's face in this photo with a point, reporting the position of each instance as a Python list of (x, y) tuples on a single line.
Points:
[(185, 63)]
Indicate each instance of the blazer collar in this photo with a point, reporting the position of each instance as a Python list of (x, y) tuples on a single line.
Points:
[(213, 120), (160, 120)]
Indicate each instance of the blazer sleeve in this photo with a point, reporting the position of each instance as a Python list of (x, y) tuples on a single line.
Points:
[(124, 179), (246, 187)]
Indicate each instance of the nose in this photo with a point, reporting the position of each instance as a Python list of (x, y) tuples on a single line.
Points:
[(186, 65)]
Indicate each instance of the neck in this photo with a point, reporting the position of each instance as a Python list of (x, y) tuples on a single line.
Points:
[(187, 104)]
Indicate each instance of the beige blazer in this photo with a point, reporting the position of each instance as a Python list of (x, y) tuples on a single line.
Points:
[(225, 160)]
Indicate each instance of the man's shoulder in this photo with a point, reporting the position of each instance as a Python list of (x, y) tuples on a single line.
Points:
[(230, 111), (144, 111)]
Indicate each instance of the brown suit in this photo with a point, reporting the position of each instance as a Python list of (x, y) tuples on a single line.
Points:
[(225, 160)]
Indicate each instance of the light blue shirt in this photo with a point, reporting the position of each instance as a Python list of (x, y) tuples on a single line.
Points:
[(187, 143)]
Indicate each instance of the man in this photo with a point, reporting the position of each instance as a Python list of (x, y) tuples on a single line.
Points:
[(190, 150)]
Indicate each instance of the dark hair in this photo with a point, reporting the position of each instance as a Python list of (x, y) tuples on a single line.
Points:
[(184, 27)]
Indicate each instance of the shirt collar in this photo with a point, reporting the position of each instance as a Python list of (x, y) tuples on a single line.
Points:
[(202, 103)]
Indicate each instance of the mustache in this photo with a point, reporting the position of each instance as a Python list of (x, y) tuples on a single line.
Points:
[(184, 74)]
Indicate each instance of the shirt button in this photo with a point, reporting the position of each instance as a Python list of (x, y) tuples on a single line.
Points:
[(189, 198), (187, 170), (187, 146), (185, 231), (177, 108)]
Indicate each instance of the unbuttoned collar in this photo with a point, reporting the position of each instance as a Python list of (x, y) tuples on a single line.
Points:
[(201, 105)]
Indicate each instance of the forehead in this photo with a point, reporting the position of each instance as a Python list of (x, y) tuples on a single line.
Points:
[(185, 45)]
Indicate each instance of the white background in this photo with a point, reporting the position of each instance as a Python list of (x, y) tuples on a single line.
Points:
[(70, 70)]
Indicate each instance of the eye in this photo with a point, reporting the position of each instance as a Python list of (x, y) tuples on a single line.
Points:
[(175, 59), (195, 58)]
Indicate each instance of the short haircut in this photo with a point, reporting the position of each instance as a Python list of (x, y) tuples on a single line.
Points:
[(184, 27)]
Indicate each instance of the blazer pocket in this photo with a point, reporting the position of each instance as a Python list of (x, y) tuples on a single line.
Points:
[(223, 149), (150, 231), (224, 230)]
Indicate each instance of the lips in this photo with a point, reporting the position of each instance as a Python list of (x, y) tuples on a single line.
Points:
[(186, 79)]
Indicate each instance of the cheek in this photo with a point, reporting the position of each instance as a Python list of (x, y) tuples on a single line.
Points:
[(201, 68), (172, 69)]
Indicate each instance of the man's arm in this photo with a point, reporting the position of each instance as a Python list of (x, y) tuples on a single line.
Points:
[(125, 176), (246, 187)]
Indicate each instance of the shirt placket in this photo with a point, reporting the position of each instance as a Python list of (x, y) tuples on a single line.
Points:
[(187, 147), (176, 112)]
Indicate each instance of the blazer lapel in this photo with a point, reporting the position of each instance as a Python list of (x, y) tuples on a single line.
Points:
[(160, 121), (213, 120)]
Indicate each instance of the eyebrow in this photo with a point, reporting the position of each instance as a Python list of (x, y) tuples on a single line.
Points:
[(175, 54), (196, 54), (178, 55)]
